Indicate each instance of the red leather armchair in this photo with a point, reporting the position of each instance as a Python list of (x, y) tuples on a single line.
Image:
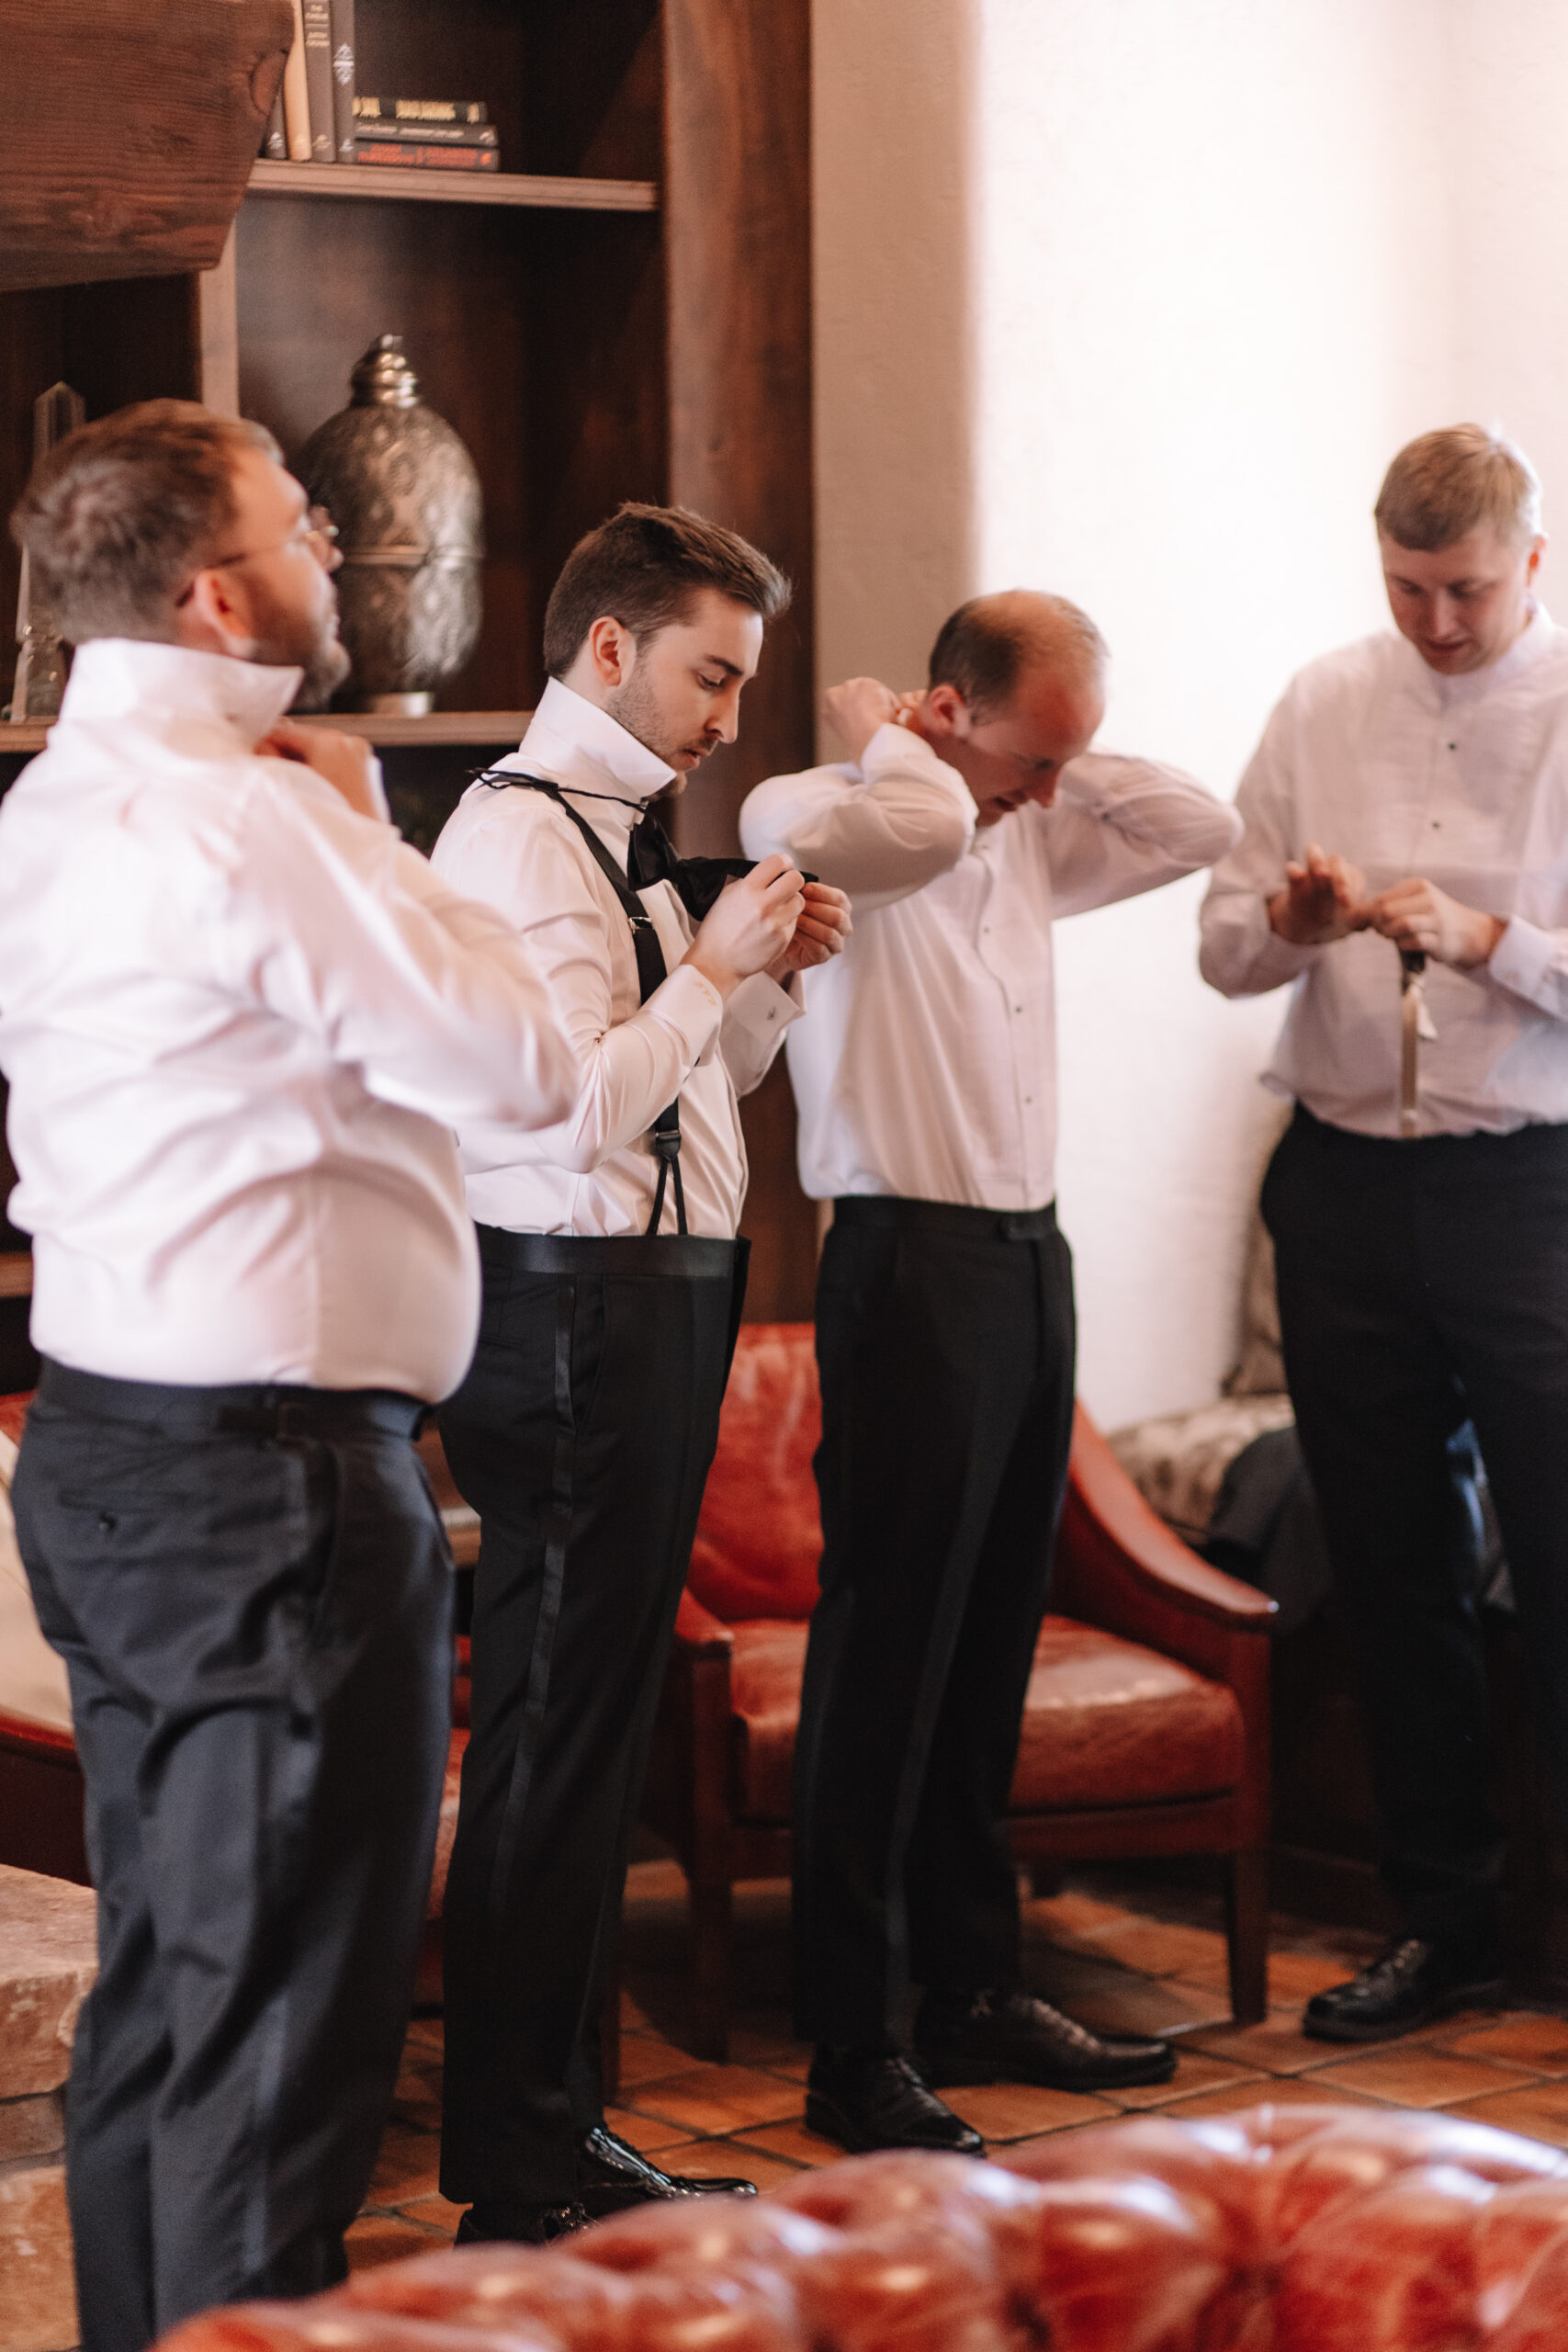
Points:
[(1147, 1727)]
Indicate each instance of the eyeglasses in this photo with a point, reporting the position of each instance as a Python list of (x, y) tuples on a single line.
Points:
[(317, 535)]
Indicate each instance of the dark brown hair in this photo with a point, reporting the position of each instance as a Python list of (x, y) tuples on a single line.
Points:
[(982, 649), (121, 514), (644, 568), (1446, 484)]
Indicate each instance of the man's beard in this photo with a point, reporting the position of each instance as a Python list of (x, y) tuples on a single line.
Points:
[(634, 707), (284, 640)]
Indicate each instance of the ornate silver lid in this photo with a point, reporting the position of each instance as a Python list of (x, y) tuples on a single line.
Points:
[(383, 378)]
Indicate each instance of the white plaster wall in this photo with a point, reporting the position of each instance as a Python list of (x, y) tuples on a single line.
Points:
[(1134, 298), (893, 105), (1510, 238), (1214, 295)]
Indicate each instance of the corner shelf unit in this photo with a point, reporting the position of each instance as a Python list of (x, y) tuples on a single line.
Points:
[(625, 312)]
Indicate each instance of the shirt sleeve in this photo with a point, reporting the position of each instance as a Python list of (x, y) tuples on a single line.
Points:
[(1532, 963), (630, 1069), (431, 997), (1238, 952), (879, 831), (1121, 826)]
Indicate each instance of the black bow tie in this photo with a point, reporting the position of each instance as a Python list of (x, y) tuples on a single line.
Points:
[(696, 881)]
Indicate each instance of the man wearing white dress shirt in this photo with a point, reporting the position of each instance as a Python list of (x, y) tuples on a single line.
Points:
[(239, 1020), (613, 1283), (965, 822), (1409, 801)]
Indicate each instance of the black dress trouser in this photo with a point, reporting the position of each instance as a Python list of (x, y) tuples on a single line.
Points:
[(1424, 1284), (583, 1437), (252, 1593), (945, 1344)]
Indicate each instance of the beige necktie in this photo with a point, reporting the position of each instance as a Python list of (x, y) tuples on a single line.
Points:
[(1415, 1028)]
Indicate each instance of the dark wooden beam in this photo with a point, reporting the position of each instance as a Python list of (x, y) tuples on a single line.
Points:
[(738, 239), (737, 243), (127, 129)]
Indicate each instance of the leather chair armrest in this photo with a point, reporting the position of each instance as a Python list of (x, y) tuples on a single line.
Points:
[(698, 1632), (1120, 1566), (21, 1736)]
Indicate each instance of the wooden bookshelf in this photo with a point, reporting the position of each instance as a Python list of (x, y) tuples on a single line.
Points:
[(543, 190), (622, 312)]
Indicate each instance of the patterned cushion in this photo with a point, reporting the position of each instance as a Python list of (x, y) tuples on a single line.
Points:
[(1177, 1460)]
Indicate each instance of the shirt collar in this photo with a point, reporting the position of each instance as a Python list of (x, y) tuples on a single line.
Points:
[(126, 678), (572, 741)]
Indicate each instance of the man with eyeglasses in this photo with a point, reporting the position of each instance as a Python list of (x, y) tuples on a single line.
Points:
[(240, 1021)]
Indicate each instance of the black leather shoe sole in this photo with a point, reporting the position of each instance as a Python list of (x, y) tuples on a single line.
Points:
[(825, 2115), (1022, 2066), (520, 2224), (1486, 1993), (601, 2198)]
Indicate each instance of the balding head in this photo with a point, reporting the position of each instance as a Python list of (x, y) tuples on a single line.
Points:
[(984, 648), (1017, 690)]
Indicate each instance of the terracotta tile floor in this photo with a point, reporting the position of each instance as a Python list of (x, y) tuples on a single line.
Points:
[(1117, 1951)]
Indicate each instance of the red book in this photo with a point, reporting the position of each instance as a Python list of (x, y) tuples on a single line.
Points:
[(445, 159)]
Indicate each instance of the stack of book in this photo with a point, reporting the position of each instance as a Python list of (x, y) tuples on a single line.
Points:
[(451, 134), (321, 119)]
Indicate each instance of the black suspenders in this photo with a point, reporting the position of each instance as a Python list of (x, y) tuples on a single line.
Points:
[(664, 1135)]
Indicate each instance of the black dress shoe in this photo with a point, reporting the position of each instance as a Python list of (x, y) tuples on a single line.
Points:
[(1013, 2038), (611, 2175), (492, 2222), (1407, 1985), (866, 2099)]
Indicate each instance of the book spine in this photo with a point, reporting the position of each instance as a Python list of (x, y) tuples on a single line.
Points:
[(318, 17), (421, 109), (275, 146), (438, 134), (451, 159), (295, 97), (343, 79)]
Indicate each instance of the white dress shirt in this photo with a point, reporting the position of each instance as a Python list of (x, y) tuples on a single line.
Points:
[(239, 1021), (594, 1173), (1461, 781), (927, 1069)]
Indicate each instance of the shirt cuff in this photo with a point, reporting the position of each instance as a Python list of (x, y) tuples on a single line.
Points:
[(1523, 960), (761, 1009), (688, 1004)]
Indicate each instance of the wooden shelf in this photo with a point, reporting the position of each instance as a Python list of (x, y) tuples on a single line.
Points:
[(433, 186), (16, 1274), (384, 728), (392, 733)]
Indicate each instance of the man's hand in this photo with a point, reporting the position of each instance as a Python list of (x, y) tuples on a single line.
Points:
[(820, 935), (1417, 914), (856, 709), (1321, 901), (751, 926), (345, 762)]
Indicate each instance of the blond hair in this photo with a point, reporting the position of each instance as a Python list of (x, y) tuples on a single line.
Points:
[(1446, 485)]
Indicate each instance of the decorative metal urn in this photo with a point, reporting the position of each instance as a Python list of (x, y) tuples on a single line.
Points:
[(403, 493)]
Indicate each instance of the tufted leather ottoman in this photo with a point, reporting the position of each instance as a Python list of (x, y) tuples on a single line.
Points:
[(1306, 2229)]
